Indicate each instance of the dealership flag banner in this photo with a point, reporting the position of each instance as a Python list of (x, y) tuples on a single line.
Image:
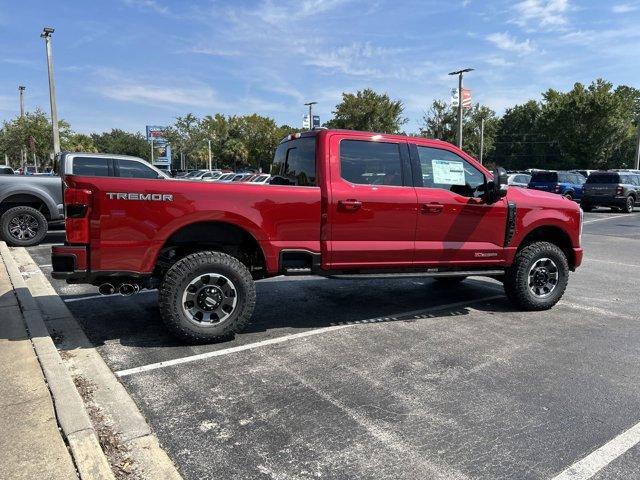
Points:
[(466, 98)]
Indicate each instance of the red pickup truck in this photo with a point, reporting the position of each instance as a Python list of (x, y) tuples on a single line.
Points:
[(340, 203)]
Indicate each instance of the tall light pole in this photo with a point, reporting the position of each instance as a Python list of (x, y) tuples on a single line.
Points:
[(23, 152), (21, 89), (310, 105), (209, 145), (46, 34), (460, 73)]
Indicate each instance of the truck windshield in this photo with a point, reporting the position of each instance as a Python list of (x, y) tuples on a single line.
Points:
[(294, 163)]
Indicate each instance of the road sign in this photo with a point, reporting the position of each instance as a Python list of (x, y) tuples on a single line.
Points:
[(316, 121)]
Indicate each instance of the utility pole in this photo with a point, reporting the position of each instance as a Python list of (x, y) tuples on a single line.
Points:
[(310, 105), (481, 138), (151, 149), (460, 73), (209, 145), (46, 34)]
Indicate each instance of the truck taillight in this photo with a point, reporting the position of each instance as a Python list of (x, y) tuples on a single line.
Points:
[(557, 188), (619, 190), (77, 203)]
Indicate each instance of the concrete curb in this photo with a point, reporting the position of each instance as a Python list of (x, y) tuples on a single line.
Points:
[(73, 419), (109, 394)]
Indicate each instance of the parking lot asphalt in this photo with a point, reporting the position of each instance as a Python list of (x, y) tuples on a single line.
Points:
[(414, 381)]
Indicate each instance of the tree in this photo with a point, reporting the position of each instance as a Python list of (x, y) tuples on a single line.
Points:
[(591, 124), (122, 143), (187, 137), (441, 122), (234, 153), (32, 133), (79, 142), (520, 142), (369, 111)]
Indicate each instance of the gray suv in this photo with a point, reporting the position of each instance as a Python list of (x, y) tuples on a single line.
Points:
[(618, 190), (30, 203)]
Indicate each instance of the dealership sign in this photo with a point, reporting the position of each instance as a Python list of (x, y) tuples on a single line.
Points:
[(160, 148)]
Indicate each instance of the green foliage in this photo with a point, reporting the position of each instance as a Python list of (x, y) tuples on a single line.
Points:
[(369, 111), (441, 122), (587, 127), (122, 143), (32, 134)]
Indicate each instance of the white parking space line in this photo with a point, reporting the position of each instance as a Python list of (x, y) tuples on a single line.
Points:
[(612, 263), (600, 458), (606, 218), (286, 338), (91, 297)]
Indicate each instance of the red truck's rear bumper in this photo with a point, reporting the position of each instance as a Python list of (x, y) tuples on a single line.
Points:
[(69, 262)]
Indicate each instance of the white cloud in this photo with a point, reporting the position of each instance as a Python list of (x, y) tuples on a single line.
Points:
[(624, 8), (148, 4), (498, 62), (544, 13), (509, 43)]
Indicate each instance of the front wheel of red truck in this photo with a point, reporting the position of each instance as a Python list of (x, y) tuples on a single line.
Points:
[(207, 296), (538, 276)]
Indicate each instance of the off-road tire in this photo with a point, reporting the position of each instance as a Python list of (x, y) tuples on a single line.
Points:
[(516, 279), (628, 205), (177, 279), (448, 281), (568, 196), (14, 212)]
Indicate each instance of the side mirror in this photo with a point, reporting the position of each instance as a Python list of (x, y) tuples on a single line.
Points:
[(497, 188)]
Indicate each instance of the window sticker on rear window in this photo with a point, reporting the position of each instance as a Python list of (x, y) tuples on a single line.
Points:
[(447, 172)]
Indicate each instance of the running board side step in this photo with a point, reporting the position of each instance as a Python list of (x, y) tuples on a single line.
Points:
[(297, 271), (457, 273)]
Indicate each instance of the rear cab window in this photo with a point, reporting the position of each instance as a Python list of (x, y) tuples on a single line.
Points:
[(603, 178), (294, 163), (92, 167), (365, 162)]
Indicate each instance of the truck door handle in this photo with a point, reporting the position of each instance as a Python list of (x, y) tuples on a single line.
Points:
[(349, 205), (432, 208)]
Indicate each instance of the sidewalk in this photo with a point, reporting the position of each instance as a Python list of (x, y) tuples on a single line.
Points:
[(31, 445)]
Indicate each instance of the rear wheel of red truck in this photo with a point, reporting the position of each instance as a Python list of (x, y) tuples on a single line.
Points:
[(207, 296), (538, 277)]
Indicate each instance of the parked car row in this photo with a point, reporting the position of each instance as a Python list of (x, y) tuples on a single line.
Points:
[(616, 189), (225, 177)]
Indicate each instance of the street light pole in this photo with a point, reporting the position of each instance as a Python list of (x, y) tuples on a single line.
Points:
[(310, 105), (21, 89), (460, 73), (46, 34), (23, 152)]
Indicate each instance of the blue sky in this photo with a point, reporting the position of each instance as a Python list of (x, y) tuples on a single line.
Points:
[(129, 63)]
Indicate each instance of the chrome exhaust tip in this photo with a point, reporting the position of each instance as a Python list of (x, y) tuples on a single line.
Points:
[(128, 289), (106, 289)]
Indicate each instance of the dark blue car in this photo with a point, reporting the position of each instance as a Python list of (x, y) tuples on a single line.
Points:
[(568, 184)]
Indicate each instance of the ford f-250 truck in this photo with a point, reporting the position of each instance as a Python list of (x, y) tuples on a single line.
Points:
[(340, 203)]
